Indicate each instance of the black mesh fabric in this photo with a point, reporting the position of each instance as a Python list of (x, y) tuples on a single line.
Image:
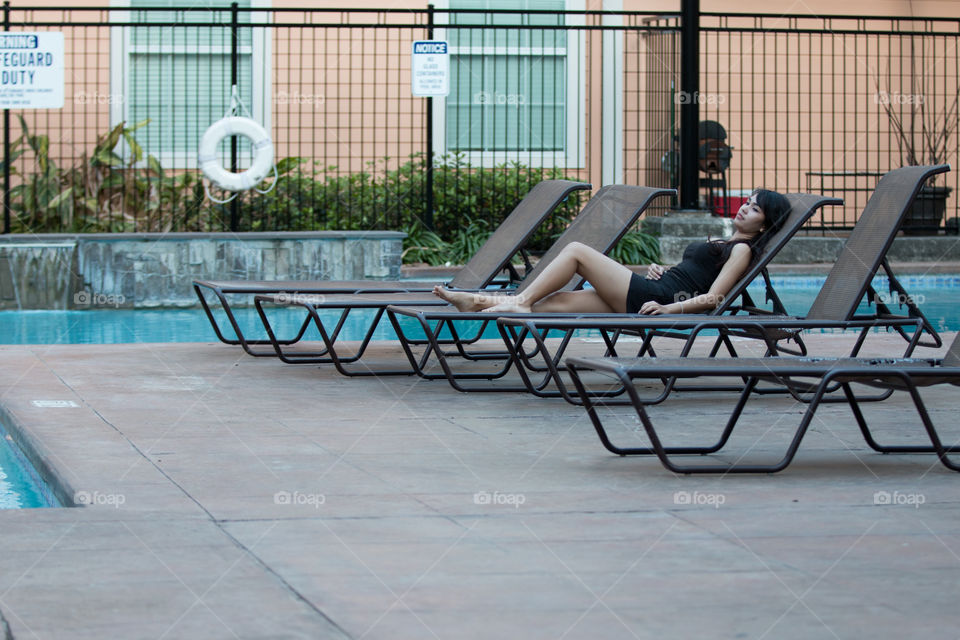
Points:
[(869, 242), (600, 225), (513, 233)]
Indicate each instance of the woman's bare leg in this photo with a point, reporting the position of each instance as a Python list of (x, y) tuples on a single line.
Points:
[(609, 278), (583, 301)]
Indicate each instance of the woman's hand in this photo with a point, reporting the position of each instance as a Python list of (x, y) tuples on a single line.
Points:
[(651, 308), (654, 271)]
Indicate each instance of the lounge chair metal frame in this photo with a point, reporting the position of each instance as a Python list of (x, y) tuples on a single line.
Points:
[(480, 272), (891, 374), (602, 222), (834, 306)]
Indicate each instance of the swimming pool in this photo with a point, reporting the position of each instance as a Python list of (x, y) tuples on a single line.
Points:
[(20, 485), (937, 296)]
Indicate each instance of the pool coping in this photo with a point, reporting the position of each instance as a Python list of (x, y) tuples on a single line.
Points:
[(45, 474)]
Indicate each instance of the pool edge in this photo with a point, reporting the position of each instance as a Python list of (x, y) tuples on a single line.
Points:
[(57, 491)]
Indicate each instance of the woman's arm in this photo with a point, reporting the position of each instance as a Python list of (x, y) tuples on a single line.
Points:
[(731, 272)]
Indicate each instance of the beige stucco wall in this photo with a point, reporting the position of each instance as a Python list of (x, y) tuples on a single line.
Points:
[(332, 95)]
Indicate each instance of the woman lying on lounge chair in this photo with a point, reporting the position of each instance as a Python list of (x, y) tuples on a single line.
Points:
[(699, 283)]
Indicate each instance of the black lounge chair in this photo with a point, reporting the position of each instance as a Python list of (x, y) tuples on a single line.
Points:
[(620, 208), (512, 326), (603, 221), (482, 269), (847, 284), (516, 329), (891, 374)]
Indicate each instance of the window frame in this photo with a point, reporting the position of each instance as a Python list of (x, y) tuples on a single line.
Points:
[(121, 51), (573, 155)]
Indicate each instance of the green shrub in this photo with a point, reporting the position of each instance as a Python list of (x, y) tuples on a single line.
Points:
[(109, 192), (423, 245), (637, 247)]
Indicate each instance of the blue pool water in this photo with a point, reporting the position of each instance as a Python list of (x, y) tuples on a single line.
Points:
[(937, 296), (20, 486)]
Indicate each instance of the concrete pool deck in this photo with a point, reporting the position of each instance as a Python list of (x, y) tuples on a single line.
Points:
[(234, 497)]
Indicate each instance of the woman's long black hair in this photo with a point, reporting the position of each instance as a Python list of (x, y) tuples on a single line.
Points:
[(776, 209)]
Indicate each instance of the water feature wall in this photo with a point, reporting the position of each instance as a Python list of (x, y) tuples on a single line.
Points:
[(156, 270)]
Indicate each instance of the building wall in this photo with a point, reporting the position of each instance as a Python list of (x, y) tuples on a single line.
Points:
[(343, 94)]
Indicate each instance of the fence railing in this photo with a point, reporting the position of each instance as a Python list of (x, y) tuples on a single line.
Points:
[(534, 94)]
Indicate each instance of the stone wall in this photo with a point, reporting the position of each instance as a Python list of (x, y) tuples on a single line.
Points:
[(156, 270)]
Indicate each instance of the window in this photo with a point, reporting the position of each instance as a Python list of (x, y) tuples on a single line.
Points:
[(179, 77), (514, 91)]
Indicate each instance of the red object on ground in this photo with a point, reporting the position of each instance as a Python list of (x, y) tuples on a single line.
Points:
[(728, 206)]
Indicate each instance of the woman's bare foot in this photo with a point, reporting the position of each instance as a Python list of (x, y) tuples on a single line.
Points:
[(509, 304), (462, 300)]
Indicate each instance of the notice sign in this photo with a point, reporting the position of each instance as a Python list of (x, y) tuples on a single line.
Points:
[(31, 70), (430, 68)]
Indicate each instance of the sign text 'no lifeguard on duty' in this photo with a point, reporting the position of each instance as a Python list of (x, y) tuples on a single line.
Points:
[(430, 68), (31, 70)]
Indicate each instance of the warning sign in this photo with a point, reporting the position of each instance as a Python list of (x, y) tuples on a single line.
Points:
[(31, 70)]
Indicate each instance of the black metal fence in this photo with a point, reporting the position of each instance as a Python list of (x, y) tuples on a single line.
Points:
[(807, 104)]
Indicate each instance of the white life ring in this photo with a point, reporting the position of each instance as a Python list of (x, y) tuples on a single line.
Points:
[(262, 160)]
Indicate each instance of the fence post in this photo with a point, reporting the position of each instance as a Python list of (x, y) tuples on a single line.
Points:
[(428, 214), (689, 104), (6, 140), (234, 77)]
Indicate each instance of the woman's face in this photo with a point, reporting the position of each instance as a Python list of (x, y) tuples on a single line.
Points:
[(750, 218)]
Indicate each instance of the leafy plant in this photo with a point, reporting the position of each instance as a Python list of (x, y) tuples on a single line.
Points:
[(467, 240), (114, 188), (102, 191), (423, 245), (637, 247)]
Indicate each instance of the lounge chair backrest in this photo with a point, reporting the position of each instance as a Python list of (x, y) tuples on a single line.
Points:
[(513, 233), (802, 206), (869, 242), (952, 357), (600, 225)]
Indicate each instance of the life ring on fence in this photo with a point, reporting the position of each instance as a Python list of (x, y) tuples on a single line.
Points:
[(262, 160)]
